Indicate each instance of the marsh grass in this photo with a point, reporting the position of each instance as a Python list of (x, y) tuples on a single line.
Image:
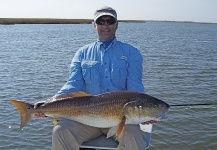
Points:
[(8, 21), (43, 21)]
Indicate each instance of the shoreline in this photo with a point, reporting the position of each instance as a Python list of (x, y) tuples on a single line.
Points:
[(12, 21)]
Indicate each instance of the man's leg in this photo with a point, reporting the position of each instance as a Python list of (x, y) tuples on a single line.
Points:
[(132, 139), (69, 135)]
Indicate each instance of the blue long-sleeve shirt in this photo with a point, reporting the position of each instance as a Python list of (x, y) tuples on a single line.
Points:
[(95, 69)]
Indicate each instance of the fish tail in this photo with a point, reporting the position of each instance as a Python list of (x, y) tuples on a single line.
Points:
[(25, 111)]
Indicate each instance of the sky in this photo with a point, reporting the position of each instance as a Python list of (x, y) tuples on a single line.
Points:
[(161, 10)]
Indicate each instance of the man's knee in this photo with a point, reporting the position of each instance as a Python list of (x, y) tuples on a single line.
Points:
[(132, 138), (62, 127), (64, 136), (57, 129)]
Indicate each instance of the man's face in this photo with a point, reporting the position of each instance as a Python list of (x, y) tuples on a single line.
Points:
[(106, 27)]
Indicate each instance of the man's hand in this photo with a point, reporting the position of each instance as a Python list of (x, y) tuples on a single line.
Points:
[(149, 122), (39, 114)]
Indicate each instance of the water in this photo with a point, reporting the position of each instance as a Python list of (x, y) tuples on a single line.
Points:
[(180, 67)]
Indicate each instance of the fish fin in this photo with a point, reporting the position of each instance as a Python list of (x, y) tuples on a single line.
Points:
[(120, 128), (25, 111), (72, 94), (111, 132)]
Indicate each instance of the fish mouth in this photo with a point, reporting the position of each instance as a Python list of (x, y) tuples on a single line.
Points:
[(162, 115)]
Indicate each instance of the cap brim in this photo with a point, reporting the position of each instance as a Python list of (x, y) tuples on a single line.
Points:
[(104, 14)]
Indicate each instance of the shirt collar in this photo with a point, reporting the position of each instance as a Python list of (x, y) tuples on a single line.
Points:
[(100, 42)]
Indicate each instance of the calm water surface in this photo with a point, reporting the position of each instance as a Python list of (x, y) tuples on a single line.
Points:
[(180, 67)]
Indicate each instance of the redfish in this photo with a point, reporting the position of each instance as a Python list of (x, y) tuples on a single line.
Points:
[(107, 110)]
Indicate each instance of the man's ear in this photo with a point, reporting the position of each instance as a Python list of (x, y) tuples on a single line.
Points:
[(117, 25), (94, 25)]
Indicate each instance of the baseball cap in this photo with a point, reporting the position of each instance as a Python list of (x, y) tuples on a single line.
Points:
[(105, 11)]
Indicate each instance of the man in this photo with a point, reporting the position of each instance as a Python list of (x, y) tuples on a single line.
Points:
[(103, 66)]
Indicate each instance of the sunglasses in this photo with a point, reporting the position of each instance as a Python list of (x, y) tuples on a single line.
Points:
[(101, 21)]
